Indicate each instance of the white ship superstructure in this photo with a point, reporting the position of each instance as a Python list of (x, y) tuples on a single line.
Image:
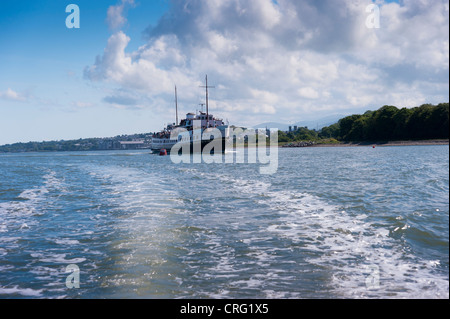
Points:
[(191, 130)]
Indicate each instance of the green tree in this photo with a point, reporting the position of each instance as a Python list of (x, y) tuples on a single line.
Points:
[(282, 137), (401, 119), (440, 120), (359, 129), (418, 125), (383, 123), (346, 125), (331, 131)]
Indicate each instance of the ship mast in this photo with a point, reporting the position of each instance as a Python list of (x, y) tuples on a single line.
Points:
[(207, 110), (176, 105)]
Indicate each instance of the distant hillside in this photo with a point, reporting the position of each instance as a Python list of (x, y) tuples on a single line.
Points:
[(135, 141), (312, 124)]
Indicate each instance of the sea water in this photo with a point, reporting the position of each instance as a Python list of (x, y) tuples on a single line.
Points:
[(334, 222)]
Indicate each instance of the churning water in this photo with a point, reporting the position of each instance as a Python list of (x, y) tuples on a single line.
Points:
[(332, 222)]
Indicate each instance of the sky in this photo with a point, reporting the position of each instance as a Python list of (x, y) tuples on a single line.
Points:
[(269, 61)]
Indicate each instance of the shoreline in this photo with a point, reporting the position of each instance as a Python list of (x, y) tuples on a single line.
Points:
[(386, 143), (341, 144)]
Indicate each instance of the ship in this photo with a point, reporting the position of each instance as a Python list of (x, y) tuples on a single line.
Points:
[(194, 132)]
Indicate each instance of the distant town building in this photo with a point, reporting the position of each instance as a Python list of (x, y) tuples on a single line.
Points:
[(134, 145)]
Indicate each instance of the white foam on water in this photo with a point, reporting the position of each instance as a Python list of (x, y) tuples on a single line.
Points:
[(349, 246), (32, 200), (57, 258), (344, 243), (48, 275), (142, 203), (65, 241), (18, 217), (16, 290)]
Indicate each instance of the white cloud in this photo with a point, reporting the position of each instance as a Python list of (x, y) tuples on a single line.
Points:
[(296, 57), (12, 95), (309, 93), (81, 104), (115, 15), (143, 70)]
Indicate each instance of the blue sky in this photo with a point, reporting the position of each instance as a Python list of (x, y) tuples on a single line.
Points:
[(282, 61), (43, 61)]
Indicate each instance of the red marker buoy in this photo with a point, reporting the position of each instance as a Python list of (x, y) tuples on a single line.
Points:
[(163, 152)]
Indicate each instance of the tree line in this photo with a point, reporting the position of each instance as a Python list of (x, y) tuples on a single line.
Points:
[(390, 123), (386, 124)]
